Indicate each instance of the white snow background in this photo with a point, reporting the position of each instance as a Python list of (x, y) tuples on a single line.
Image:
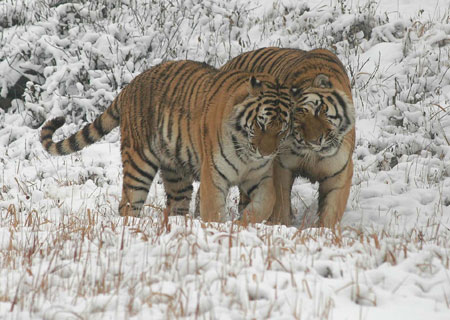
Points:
[(66, 254)]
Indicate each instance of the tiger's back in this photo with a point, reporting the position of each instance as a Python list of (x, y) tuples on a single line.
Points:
[(323, 138), (162, 106)]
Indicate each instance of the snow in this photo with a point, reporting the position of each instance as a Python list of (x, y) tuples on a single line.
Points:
[(66, 254)]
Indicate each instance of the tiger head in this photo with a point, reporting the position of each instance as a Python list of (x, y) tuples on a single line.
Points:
[(263, 116), (323, 113)]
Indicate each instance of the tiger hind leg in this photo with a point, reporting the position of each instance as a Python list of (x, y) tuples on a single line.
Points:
[(178, 190), (139, 170)]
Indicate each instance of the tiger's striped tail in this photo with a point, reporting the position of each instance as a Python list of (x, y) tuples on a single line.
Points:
[(90, 134)]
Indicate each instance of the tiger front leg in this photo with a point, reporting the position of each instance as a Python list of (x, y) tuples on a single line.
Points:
[(139, 170), (283, 181), (262, 200), (333, 196), (244, 200), (213, 193)]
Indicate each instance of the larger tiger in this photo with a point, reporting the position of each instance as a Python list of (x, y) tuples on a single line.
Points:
[(323, 138), (191, 121)]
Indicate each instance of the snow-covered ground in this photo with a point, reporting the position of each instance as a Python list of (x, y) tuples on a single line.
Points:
[(65, 253)]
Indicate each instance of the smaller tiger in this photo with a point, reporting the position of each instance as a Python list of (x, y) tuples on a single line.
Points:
[(192, 122)]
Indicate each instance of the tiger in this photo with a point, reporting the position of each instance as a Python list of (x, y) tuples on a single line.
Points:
[(190, 121), (323, 135)]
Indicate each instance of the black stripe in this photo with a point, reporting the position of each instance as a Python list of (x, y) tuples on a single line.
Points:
[(51, 126), (251, 189), (219, 172), (185, 189), (173, 180), (189, 159), (240, 61), (170, 125), (186, 74), (59, 147), (99, 127), (166, 71), (217, 169), (54, 124), (260, 166), (283, 70), (337, 116), (110, 111), (343, 105), (237, 152), (191, 144), (265, 58), (86, 135), (162, 142), (140, 171), (127, 174), (247, 56), (283, 57), (334, 174), (270, 110), (73, 143), (255, 186), (245, 107), (168, 169), (224, 192), (175, 198), (222, 153), (181, 70), (192, 86), (303, 99), (47, 144), (296, 152), (137, 188), (47, 136), (179, 143), (147, 160), (277, 103), (329, 155), (249, 115), (331, 60), (223, 77)]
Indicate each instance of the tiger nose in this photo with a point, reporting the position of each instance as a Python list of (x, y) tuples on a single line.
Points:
[(318, 141)]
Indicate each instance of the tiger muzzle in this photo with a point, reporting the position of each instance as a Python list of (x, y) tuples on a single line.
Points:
[(268, 141)]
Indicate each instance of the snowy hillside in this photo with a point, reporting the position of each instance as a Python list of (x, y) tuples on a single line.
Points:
[(66, 254)]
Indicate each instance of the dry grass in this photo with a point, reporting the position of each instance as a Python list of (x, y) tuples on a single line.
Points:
[(91, 264)]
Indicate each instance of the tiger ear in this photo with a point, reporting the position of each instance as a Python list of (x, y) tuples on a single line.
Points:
[(322, 81), (255, 86)]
